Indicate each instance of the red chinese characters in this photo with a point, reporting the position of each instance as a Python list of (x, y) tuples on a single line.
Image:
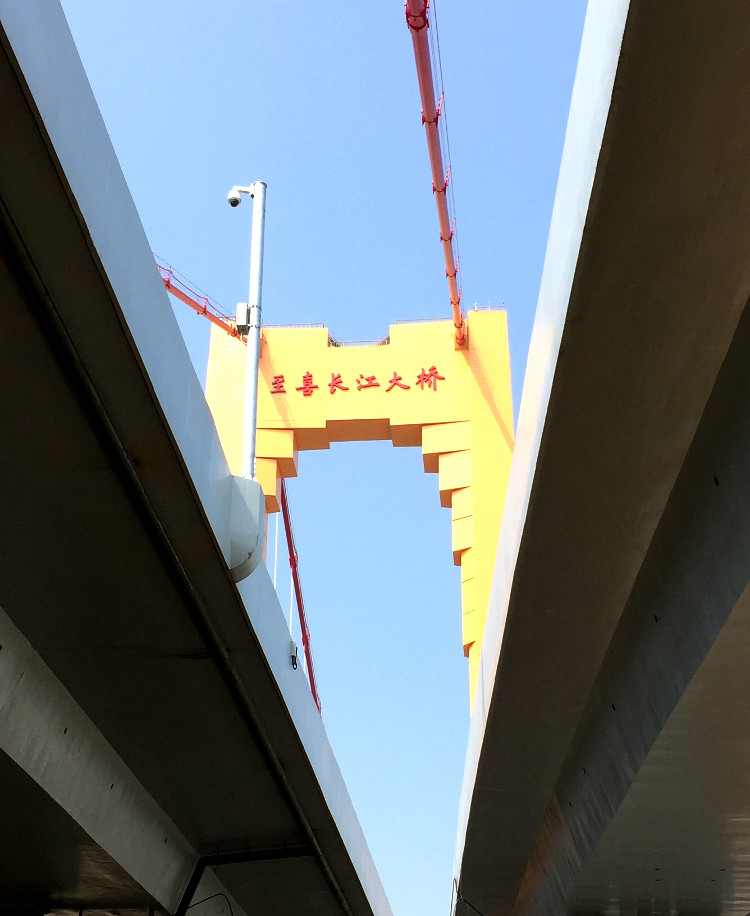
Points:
[(336, 384), (366, 382), (307, 386), (396, 382), (426, 379), (429, 378)]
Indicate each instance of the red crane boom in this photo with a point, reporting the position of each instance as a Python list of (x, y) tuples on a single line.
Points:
[(416, 19)]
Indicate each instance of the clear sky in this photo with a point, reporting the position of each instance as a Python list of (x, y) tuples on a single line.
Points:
[(321, 102)]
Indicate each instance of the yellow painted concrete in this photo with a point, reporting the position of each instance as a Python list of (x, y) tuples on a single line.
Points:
[(443, 437), (278, 444), (417, 390), (462, 537), (454, 473), (467, 565), (268, 473), (462, 503)]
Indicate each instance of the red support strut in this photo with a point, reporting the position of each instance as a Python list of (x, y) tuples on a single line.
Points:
[(200, 304), (294, 565)]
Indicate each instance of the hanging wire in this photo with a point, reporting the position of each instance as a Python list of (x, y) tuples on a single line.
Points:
[(459, 898)]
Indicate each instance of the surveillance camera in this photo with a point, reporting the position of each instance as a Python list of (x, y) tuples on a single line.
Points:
[(235, 195)]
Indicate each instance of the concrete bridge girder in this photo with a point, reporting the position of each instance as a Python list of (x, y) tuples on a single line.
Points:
[(173, 679), (597, 677)]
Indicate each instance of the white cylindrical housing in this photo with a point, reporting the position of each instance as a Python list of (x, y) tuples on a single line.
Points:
[(258, 193)]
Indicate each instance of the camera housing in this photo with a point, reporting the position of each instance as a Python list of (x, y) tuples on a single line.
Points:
[(235, 195)]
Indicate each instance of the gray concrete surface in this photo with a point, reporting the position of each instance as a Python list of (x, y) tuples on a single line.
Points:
[(620, 557), (172, 680)]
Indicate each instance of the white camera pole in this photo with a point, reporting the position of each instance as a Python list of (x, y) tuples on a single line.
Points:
[(258, 193), (251, 321)]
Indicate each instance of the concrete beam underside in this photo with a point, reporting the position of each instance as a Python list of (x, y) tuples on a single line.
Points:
[(116, 525), (619, 557)]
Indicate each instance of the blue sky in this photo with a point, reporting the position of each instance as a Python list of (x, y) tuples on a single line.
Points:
[(321, 102)]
